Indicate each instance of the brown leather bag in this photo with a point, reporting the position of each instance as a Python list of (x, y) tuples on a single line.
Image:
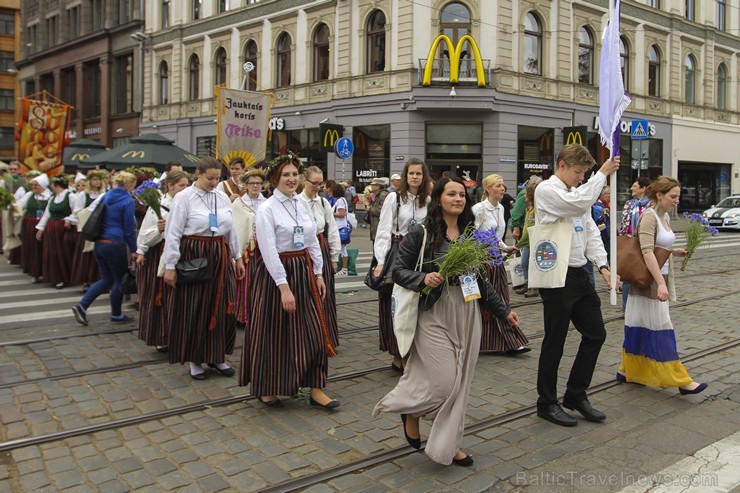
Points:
[(631, 265)]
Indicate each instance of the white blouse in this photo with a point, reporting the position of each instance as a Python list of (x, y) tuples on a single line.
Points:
[(488, 216), (324, 215), (149, 234), (410, 211), (275, 222), (58, 199), (253, 204), (189, 216)]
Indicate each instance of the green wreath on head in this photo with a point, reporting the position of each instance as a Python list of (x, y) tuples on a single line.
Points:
[(275, 164)]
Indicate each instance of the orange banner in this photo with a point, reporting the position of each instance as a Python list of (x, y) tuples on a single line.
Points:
[(41, 136)]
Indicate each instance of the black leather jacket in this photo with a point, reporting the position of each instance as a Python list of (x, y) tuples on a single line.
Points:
[(405, 275)]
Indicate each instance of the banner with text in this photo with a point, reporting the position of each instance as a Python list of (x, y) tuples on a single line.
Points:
[(41, 136), (242, 125)]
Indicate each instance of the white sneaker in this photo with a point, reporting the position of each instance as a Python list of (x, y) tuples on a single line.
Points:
[(342, 273)]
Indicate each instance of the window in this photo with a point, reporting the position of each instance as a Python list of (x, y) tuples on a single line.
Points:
[(6, 137), (376, 42), (690, 9), (624, 60), (124, 84), (98, 15), (653, 72), (73, 21), (220, 67), (690, 66), (455, 23), (321, 53), (654, 3), (194, 78), (195, 9), (223, 6), (250, 56), (69, 89), (722, 15), (7, 23), (372, 156), (47, 83), (51, 31), (165, 14), (283, 60), (532, 44), (91, 89), (29, 87), (7, 100), (164, 83), (31, 38), (6, 60), (585, 57), (125, 12), (721, 87)]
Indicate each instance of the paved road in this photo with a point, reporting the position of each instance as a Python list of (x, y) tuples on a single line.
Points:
[(70, 401)]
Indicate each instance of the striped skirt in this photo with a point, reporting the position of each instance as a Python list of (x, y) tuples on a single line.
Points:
[(57, 252), (84, 266), (498, 334), (150, 288), (330, 302), (283, 352), (649, 352), (32, 249), (388, 340), (202, 317), (242, 289)]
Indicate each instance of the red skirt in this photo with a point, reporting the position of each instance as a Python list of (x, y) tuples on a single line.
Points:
[(84, 266), (57, 252), (498, 334), (31, 249)]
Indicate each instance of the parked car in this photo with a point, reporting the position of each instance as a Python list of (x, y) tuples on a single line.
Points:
[(726, 214)]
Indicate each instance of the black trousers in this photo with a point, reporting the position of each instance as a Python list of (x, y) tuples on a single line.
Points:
[(578, 302)]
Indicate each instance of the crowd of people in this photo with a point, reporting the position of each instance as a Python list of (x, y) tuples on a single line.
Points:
[(260, 249)]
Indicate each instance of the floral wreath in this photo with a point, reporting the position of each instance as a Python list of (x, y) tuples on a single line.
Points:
[(275, 164)]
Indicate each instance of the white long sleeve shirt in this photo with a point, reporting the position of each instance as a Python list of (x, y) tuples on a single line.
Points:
[(488, 216), (253, 204), (324, 215), (276, 219), (408, 212), (149, 234), (554, 201), (189, 216)]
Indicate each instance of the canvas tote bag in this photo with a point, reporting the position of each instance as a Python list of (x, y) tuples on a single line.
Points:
[(548, 254), (405, 308)]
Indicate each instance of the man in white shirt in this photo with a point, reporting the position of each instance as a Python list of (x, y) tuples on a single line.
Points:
[(558, 199)]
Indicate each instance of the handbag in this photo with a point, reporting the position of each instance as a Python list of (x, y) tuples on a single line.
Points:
[(631, 266), (405, 308), (194, 271), (514, 267), (548, 254), (94, 224), (344, 235), (384, 282), (128, 282)]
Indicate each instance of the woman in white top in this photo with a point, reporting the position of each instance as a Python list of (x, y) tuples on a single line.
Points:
[(498, 334), (84, 266), (401, 209), (287, 343), (328, 235), (33, 204), (55, 230), (339, 211), (202, 316), (233, 187), (149, 247)]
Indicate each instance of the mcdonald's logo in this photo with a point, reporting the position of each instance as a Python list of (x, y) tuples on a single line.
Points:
[(546, 142), (191, 158), (575, 135), (80, 157), (134, 154), (455, 53), (328, 135)]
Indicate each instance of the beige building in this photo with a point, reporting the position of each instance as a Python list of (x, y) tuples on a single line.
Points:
[(360, 64), (9, 89)]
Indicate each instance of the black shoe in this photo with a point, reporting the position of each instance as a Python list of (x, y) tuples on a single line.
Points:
[(124, 319), (414, 442), (227, 372), (584, 407), (80, 315), (198, 376), (555, 414), (466, 461), (699, 389), (329, 406), (399, 369), (521, 350), (275, 403)]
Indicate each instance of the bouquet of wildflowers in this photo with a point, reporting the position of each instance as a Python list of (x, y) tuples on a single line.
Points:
[(6, 199), (470, 253), (697, 233), (148, 193)]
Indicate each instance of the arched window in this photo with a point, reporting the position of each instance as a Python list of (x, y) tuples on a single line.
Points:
[(654, 71), (624, 61), (194, 78), (250, 56), (532, 44), (220, 66), (721, 87), (321, 53), (455, 23), (376, 42), (164, 83), (690, 66), (585, 57), (283, 60)]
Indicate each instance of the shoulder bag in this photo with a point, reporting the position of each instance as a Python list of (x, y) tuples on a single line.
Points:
[(94, 224), (194, 271), (631, 266), (405, 308), (128, 282), (384, 282)]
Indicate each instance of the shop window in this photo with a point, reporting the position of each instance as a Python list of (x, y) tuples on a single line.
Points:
[(321, 53), (205, 146), (702, 184), (371, 158), (250, 56), (654, 72), (585, 57), (283, 60), (535, 152), (304, 142), (376, 42), (722, 87), (456, 148), (532, 44)]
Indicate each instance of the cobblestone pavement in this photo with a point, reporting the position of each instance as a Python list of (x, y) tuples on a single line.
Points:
[(240, 445)]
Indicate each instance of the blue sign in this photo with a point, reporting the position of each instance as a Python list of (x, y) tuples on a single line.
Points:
[(640, 129), (344, 148)]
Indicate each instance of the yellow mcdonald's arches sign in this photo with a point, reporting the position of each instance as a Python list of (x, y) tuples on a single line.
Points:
[(575, 135), (80, 156), (454, 52), (135, 154), (191, 158), (546, 141), (328, 135)]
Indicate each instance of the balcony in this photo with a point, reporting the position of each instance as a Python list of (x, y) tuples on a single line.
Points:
[(468, 73)]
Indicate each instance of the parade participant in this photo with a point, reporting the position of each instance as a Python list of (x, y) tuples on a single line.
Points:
[(498, 334), (558, 200), (12, 182), (631, 215), (401, 209), (649, 353), (84, 266), (378, 194), (339, 211), (171, 166), (436, 381), (117, 232), (523, 243), (328, 235), (202, 316), (55, 230), (233, 187), (152, 326), (287, 343), (34, 204), (253, 181)]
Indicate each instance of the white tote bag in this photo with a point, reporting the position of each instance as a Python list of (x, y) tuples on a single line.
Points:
[(516, 273), (549, 251), (405, 309)]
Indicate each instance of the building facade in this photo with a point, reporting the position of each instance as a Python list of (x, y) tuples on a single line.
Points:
[(9, 52)]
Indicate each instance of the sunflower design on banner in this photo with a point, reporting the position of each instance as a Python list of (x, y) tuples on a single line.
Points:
[(41, 135)]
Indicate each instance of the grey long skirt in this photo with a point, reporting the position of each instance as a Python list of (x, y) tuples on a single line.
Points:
[(436, 381)]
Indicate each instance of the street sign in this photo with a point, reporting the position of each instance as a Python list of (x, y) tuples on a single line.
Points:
[(329, 134), (344, 148), (640, 129)]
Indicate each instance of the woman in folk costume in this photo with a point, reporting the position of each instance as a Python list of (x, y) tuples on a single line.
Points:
[(34, 204), (201, 316), (498, 334), (233, 186), (55, 229), (13, 182), (328, 235), (287, 343), (150, 288), (84, 266)]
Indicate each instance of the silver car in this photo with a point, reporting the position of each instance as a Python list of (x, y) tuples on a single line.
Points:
[(726, 214)]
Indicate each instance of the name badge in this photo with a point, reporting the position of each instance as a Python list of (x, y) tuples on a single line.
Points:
[(578, 224), (213, 222), (39, 213), (469, 285), (298, 240), (412, 222)]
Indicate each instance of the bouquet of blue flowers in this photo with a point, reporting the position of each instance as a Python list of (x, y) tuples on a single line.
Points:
[(470, 253), (697, 233), (149, 194)]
